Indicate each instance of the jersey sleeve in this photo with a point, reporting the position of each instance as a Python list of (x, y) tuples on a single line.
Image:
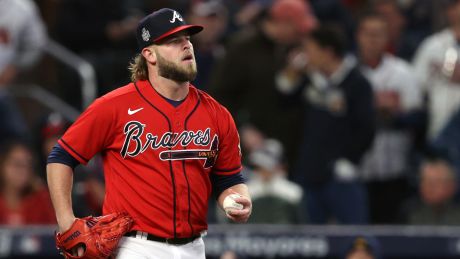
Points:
[(229, 158), (90, 133)]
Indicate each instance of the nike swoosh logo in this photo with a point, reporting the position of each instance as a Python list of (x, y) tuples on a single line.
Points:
[(131, 112)]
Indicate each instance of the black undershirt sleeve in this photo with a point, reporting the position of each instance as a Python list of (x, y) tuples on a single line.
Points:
[(222, 182), (61, 156)]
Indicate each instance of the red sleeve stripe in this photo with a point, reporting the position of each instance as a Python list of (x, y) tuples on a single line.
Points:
[(74, 153)]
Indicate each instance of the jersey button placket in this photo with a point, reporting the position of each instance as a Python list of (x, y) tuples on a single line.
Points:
[(182, 209), (177, 129), (177, 122)]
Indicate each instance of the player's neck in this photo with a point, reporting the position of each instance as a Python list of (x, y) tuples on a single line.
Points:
[(169, 88)]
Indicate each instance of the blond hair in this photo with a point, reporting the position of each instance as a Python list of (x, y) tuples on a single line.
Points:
[(138, 68)]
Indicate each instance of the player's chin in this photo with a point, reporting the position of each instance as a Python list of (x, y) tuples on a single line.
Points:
[(188, 67)]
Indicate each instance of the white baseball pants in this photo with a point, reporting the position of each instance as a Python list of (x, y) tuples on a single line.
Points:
[(136, 248)]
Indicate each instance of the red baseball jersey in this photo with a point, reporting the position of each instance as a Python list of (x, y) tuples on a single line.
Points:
[(157, 158)]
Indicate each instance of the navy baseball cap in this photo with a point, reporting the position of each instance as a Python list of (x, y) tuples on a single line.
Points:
[(160, 24)]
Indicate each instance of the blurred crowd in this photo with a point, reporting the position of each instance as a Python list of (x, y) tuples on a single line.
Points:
[(348, 110)]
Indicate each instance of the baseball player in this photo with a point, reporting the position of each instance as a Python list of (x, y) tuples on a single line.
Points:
[(165, 147)]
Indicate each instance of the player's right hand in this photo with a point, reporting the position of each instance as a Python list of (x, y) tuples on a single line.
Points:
[(64, 225)]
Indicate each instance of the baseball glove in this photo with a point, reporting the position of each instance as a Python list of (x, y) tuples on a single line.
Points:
[(99, 236)]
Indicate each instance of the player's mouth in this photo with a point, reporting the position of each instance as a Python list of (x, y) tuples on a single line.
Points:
[(188, 58)]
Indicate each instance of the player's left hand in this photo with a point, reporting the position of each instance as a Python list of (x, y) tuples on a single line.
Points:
[(241, 216)]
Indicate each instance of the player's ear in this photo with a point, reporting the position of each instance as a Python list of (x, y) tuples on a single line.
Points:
[(149, 54)]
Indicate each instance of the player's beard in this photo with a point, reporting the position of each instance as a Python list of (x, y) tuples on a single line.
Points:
[(175, 72)]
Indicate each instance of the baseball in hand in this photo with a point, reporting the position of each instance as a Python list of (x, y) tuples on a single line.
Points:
[(231, 204)]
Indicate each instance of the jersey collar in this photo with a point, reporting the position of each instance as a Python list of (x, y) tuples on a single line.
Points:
[(147, 90)]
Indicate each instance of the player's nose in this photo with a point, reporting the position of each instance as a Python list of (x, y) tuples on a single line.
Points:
[(187, 45)]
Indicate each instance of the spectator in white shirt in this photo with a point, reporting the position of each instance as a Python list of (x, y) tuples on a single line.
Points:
[(22, 37), (437, 67), (397, 98)]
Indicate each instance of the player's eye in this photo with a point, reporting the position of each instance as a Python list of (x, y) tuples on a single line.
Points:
[(179, 40)]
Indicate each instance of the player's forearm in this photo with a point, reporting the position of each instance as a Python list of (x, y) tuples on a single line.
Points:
[(239, 188), (60, 180)]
